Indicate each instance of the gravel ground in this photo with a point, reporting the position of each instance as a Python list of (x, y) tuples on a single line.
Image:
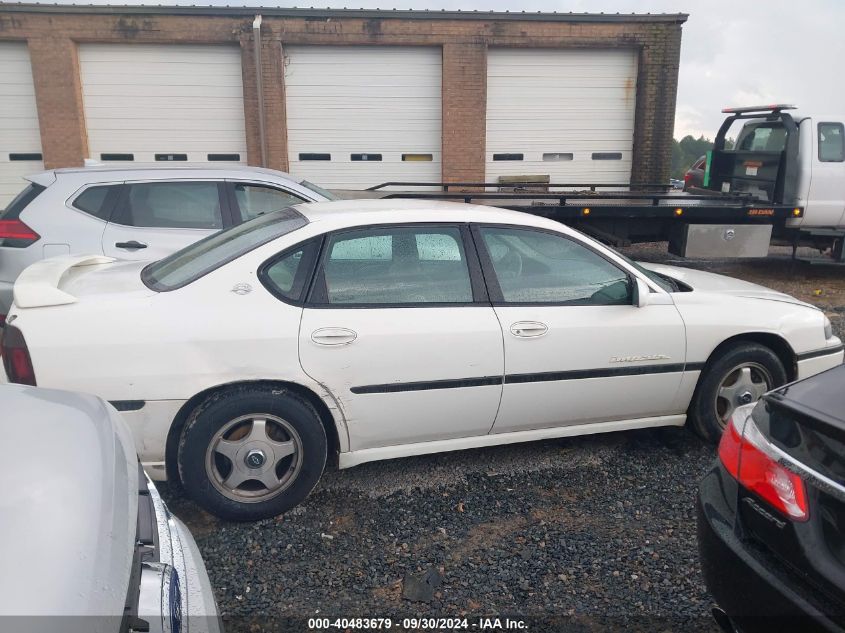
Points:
[(583, 534)]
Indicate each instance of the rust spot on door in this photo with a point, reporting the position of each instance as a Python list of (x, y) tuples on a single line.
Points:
[(630, 90)]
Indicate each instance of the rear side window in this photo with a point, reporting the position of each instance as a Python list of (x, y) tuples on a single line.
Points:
[(831, 143), (395, 266), (214, 251), (98, 201), (171, 205), (287, 275), (21, 201)]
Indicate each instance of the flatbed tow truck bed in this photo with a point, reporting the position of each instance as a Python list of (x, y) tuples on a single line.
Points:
[(618, 214)]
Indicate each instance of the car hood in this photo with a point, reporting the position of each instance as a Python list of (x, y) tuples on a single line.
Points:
[(69, 506), (721, 284)]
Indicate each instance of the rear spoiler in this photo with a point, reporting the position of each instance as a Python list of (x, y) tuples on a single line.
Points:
[(38, 285)]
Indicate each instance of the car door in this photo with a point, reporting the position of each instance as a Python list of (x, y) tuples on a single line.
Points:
[(154, 219), (577, 349), (826, 204), (398, 328), (248, 200)]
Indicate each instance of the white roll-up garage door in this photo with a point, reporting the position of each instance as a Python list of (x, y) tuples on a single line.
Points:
[(155, 102), (359, 116), (20, 137), (566, 114)]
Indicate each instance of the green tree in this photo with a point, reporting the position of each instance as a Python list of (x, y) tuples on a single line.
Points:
[(688, 150)]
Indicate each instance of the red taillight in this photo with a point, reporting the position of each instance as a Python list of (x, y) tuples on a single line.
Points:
[(16, 234), (729, 449), (16, 360), (687, 178), (752, 461)]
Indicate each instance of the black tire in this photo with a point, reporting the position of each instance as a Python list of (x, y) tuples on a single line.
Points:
[(704, 414), (292, 421)]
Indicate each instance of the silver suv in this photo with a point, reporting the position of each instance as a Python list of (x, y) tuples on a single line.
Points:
[(134, 213), (86, 542)]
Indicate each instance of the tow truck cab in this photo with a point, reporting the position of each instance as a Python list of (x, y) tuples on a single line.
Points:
[(786, 158)]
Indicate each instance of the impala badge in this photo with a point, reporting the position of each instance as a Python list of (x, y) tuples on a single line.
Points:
[(242, 289), (634, 359)]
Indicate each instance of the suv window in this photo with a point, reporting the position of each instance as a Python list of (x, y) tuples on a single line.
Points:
[(96, 201), (214, 251), (172, 205), (539, 267), (390, 266), (831, 142), (255, 200)]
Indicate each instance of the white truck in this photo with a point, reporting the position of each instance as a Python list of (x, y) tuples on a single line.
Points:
[(783, 157), (783, 182)]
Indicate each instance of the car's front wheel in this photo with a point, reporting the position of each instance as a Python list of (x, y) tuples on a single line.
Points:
[(251, 454), (740, 374)]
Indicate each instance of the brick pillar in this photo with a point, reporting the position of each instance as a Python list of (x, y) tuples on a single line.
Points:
[(464, 111), (58, 95), (272, 76), (657, 89)]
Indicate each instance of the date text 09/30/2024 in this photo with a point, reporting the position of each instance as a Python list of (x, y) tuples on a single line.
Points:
[(423, 624)]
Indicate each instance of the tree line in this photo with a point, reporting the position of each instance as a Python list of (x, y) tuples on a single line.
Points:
[(688, 150)]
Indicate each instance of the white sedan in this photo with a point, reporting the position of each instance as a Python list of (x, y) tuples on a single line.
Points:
[(379, 329)]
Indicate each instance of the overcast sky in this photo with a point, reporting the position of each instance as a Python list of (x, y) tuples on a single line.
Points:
[(733, 52)]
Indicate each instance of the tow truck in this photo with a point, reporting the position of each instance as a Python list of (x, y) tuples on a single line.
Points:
[(782, 182)]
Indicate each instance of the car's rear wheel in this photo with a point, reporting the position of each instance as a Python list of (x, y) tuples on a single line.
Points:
[(251, 454), (739, 375)]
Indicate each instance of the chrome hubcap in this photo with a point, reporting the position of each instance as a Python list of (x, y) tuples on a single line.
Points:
[(743, 384), (254, 457)]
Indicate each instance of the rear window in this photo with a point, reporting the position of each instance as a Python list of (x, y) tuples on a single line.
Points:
[(201, 258), (20, 202), (762, 137)]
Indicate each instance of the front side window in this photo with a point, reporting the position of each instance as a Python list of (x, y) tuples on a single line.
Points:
[(171, 205), (214, 251), (395, 266), (255, 200), (831, 142), (539, 267)]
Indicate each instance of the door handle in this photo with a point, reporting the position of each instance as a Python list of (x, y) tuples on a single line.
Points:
[(131, 246), (332, 336), (529, 329)]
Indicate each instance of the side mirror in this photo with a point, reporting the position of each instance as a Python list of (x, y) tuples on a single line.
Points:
[(642, 293)]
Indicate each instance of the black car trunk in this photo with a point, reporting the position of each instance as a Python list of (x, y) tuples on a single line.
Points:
[(806, 424)]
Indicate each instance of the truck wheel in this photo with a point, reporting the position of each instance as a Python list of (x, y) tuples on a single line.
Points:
[(252, 454), (739, 375)]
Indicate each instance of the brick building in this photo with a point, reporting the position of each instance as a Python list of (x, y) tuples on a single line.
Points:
[(346, 98)]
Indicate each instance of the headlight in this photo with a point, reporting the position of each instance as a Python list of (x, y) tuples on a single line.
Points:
[(828, 329)]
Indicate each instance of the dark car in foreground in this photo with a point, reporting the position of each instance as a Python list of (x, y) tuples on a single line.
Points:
[(771, 512)]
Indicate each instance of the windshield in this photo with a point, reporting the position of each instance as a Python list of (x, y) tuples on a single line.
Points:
[(328, 195), (200, 258)]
